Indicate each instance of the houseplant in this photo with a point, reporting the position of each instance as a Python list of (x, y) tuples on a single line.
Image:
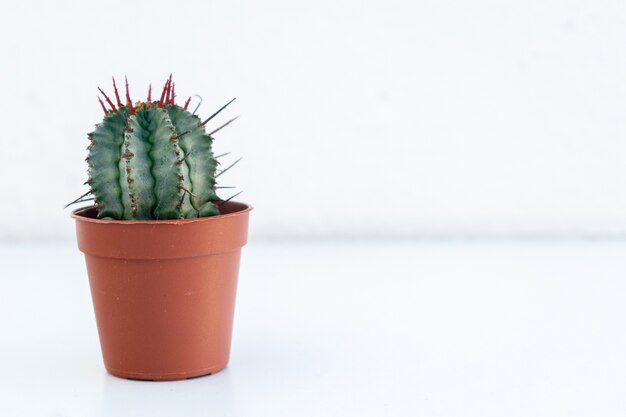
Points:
[(162, 249)]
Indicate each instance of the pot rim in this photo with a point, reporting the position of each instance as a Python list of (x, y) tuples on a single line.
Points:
[(79, 215)]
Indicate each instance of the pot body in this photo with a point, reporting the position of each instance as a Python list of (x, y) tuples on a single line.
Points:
[(164, 291)]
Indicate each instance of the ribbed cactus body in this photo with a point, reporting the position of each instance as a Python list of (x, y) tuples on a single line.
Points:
[(199, 162), (105, 164), (152, 161)]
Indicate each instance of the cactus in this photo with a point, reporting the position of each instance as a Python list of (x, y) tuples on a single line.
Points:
[(152, 160)]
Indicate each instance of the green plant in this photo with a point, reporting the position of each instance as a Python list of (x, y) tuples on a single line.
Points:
[(152, 160)]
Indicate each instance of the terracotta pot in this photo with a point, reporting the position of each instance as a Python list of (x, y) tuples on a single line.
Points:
[(164, 290)]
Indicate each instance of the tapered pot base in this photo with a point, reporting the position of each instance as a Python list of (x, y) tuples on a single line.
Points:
[(179, 376)]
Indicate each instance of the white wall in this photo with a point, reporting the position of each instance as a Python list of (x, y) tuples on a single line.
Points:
[(359, 118)]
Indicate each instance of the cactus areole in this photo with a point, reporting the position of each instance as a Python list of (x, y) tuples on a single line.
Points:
[(152, 160)]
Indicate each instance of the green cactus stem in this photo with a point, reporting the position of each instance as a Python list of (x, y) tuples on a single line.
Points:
[(152, 159)]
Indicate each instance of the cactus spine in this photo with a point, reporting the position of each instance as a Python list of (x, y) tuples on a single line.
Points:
[(152, 160)]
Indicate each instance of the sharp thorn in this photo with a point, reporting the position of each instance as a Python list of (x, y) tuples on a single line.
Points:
[(117, 95), (108, 99), (169, 90), (229, 198), (221, 155), (187, 191), (198, 105), (223, 126), (228, 167), (82, 201), (187, 103), (217, 112), (106, 112), (182, 198), (128, 100), (180, 161), (78, 199), (149, 93), (181, 134), (163, 93)]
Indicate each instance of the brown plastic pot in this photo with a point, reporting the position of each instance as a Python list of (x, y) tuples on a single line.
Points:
[(164, 290)]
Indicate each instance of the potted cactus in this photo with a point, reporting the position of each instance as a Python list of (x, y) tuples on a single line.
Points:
[(162, 249)]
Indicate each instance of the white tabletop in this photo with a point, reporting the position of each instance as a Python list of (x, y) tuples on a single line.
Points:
[(346, 329)]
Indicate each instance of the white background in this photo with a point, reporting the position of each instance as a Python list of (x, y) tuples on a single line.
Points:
[(362, 122), (359, 118)]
